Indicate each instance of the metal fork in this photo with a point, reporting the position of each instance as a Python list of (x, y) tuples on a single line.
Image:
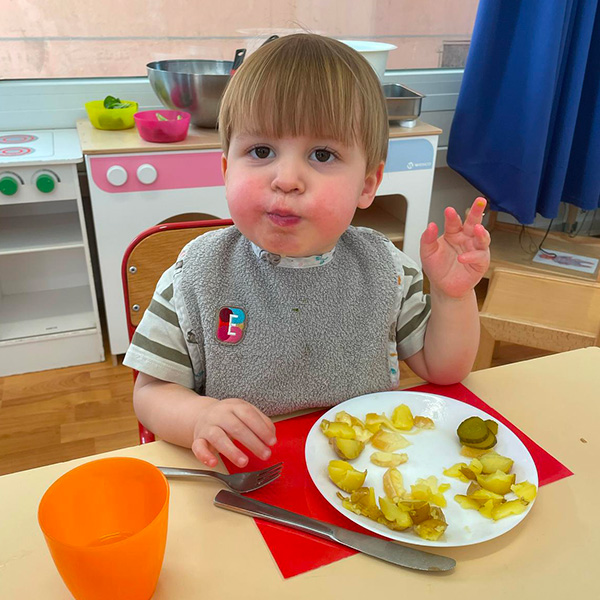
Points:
[(238, 482)]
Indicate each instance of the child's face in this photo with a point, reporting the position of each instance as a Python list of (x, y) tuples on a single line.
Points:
[(295, 196)]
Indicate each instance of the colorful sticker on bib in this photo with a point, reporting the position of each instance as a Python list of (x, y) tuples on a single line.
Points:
[(232, 322)]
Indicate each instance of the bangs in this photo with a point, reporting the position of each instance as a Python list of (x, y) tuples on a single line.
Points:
[(307, 85), (277, 105)]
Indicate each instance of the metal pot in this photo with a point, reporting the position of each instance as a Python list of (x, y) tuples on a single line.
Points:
[(195, 86)]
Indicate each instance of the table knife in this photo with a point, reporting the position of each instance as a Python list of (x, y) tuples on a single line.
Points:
[(389, 551)]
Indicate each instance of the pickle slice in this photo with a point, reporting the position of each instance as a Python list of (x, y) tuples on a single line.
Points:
[(472, 431), (492, 426), (488, 442)]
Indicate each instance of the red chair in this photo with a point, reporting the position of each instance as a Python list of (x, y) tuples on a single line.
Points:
[(150, 254)]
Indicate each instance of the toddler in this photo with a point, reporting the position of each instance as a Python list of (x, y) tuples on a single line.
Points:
[(292, 307)]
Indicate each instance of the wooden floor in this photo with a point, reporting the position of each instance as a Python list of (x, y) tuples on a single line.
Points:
[(58, 415)]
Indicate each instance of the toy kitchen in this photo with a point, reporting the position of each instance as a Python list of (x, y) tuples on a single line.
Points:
[(48, 309)]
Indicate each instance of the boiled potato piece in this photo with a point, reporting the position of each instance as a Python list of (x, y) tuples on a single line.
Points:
[(525, 491), (365, 497), (337, 430), (418, 510), (483, 496), (362, 434), (388, 459), (423, 422), (486, 509), (362, 502), (430, 491), (468, 473), (473, 452), (388, 441), (473, 487), (456, 472), (431, 529), (498, 482), (476, 466), (396, 514), (347, 449), (393, 484), (402, 418), (345, 476), (466, 502), (492, 462), (512, 507), (343, 417), (374, 422)]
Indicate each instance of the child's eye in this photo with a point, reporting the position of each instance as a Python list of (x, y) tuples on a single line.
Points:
[(323, 155), (262, 152)]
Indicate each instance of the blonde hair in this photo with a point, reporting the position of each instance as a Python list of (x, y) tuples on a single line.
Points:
[(307, 84)]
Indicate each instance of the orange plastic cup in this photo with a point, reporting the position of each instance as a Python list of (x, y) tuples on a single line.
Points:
[(105, 523)]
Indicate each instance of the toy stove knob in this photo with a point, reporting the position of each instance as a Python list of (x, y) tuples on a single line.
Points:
[(116, 175), (45, 183), (146, 174), (8, 185)]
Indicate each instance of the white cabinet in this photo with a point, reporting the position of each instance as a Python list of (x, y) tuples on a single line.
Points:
[(48, 310)]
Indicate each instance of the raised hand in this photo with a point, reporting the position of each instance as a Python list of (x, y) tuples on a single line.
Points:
[(457, 260)]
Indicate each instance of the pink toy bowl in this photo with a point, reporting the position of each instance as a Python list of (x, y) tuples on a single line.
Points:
[(162, 126)]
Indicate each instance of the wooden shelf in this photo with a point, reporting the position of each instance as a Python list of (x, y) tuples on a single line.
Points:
[(513, 249), (41, 232), (381, 220)]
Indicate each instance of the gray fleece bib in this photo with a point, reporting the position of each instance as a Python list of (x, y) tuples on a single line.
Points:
[(288, 338)]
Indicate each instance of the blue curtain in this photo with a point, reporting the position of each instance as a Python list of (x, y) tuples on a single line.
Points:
[(526, 132)]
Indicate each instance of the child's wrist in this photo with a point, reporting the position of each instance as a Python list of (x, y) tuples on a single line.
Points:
[(440, 295)]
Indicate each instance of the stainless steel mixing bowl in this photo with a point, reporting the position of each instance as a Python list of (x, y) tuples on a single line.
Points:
[(195, 86)]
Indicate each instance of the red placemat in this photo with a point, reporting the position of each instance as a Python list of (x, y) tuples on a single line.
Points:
[(296, 552)]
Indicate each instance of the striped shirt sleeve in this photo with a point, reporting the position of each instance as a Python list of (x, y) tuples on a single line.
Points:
[(414, 307), (158, 346)]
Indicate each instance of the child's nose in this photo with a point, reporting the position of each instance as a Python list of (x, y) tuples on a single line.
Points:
[(288, 178)]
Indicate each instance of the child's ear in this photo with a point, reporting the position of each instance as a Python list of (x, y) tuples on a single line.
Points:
[(372, 182), (223, 166)]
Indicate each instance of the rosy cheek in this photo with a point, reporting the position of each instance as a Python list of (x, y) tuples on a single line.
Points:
[(333, 196), (245, 195)]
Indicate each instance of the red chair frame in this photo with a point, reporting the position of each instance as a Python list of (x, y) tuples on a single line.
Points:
[(146, 435)]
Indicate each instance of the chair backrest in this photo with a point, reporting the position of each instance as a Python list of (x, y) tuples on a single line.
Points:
[(150, 254)]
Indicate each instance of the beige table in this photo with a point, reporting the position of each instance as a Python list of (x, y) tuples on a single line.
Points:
[(216, 554)]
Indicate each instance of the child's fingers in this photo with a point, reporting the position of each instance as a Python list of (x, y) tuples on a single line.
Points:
[(475, 215), (223, 444), (481, 238), (256, 422), (452, 221), (429, 241), (204, 452), (241, 431)]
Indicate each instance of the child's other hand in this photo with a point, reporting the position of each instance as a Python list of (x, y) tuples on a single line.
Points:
[(458, 259), (232, 419)]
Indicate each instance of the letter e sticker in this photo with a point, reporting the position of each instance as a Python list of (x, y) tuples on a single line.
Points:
[(232, 322)]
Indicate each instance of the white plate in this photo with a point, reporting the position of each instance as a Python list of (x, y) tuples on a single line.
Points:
[(430, 453)]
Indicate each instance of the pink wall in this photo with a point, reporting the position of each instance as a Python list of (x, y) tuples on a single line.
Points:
[(68, 38)]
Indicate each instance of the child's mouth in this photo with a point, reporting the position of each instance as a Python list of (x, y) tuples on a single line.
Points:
[(283, 220)]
